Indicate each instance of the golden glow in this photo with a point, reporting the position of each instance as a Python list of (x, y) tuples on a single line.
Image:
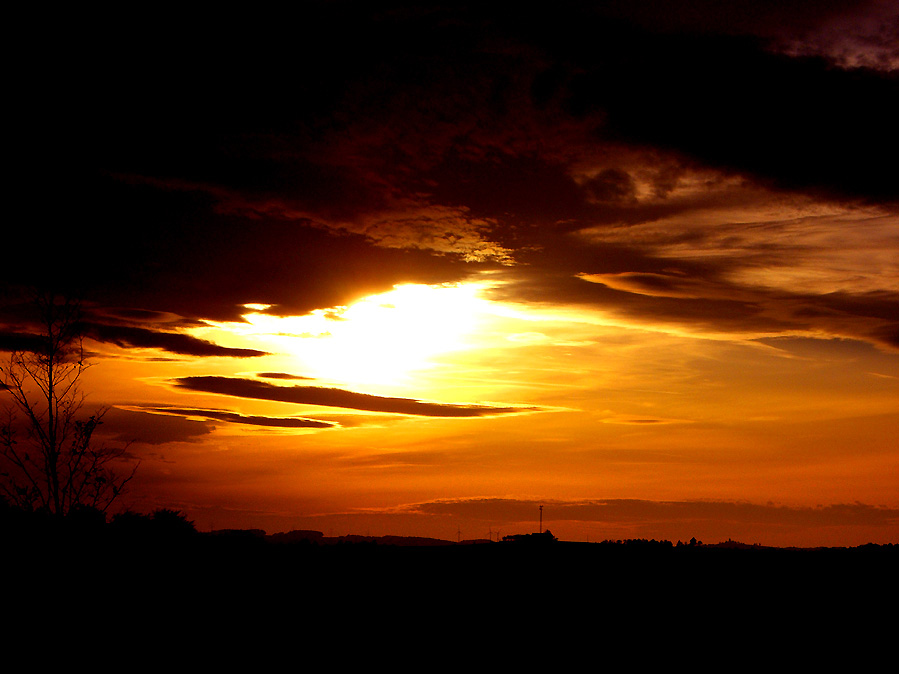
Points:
[(625, 409), (378, 341)]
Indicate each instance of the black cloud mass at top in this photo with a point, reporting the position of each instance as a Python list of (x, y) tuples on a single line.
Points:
[(193, 163)]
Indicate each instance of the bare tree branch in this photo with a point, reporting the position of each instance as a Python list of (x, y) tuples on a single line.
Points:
[(59, 467)]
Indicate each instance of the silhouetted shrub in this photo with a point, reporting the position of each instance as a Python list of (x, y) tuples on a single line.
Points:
[(161, 525), (172, 522), (86, 517), (302, 536)]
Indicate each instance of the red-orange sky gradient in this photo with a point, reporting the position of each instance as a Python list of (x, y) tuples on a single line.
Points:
[(394, 268)]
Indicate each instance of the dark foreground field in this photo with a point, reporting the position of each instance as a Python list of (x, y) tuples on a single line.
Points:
[(512, 604), (486, 574)]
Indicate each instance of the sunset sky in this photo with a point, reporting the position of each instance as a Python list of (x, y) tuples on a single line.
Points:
[(402, 268)]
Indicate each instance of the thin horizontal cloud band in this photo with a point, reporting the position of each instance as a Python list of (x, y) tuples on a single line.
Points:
[(128, 337), (173, 342), (334, 397), (235, 418), (635, 510)]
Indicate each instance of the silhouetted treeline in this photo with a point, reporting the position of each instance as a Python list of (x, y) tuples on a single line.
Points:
[(168, 526), (159, 560), (90, 525)]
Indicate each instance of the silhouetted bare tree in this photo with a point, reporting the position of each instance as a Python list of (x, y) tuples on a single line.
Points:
[(57, 466)]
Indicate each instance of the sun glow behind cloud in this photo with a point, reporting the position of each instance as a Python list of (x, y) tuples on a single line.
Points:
[(378, 342)]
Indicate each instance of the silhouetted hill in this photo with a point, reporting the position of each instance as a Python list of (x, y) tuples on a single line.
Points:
[(157, 584), (164, 551)]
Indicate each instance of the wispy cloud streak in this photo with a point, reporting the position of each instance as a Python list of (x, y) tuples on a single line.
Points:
[(334, 397)]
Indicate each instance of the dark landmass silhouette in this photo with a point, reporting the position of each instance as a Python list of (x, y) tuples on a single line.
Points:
[(87, 526), (152, 586), (37, 539)]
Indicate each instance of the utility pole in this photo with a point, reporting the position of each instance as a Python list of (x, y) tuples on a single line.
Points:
[(541, 519)]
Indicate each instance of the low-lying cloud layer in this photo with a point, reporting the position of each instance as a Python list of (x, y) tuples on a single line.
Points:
[(626, 519), (617, 511)]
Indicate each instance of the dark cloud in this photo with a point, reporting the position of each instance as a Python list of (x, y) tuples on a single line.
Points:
[(173, 342), (280, 375), (182, 256), (651, 303), (120, 333), (611, 185), (715, 275), (760, 18), (17, 341), (791, 123), (304, 165), (889, 335), (333, 397), (655, 284), (126, 425), (236, 418)]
